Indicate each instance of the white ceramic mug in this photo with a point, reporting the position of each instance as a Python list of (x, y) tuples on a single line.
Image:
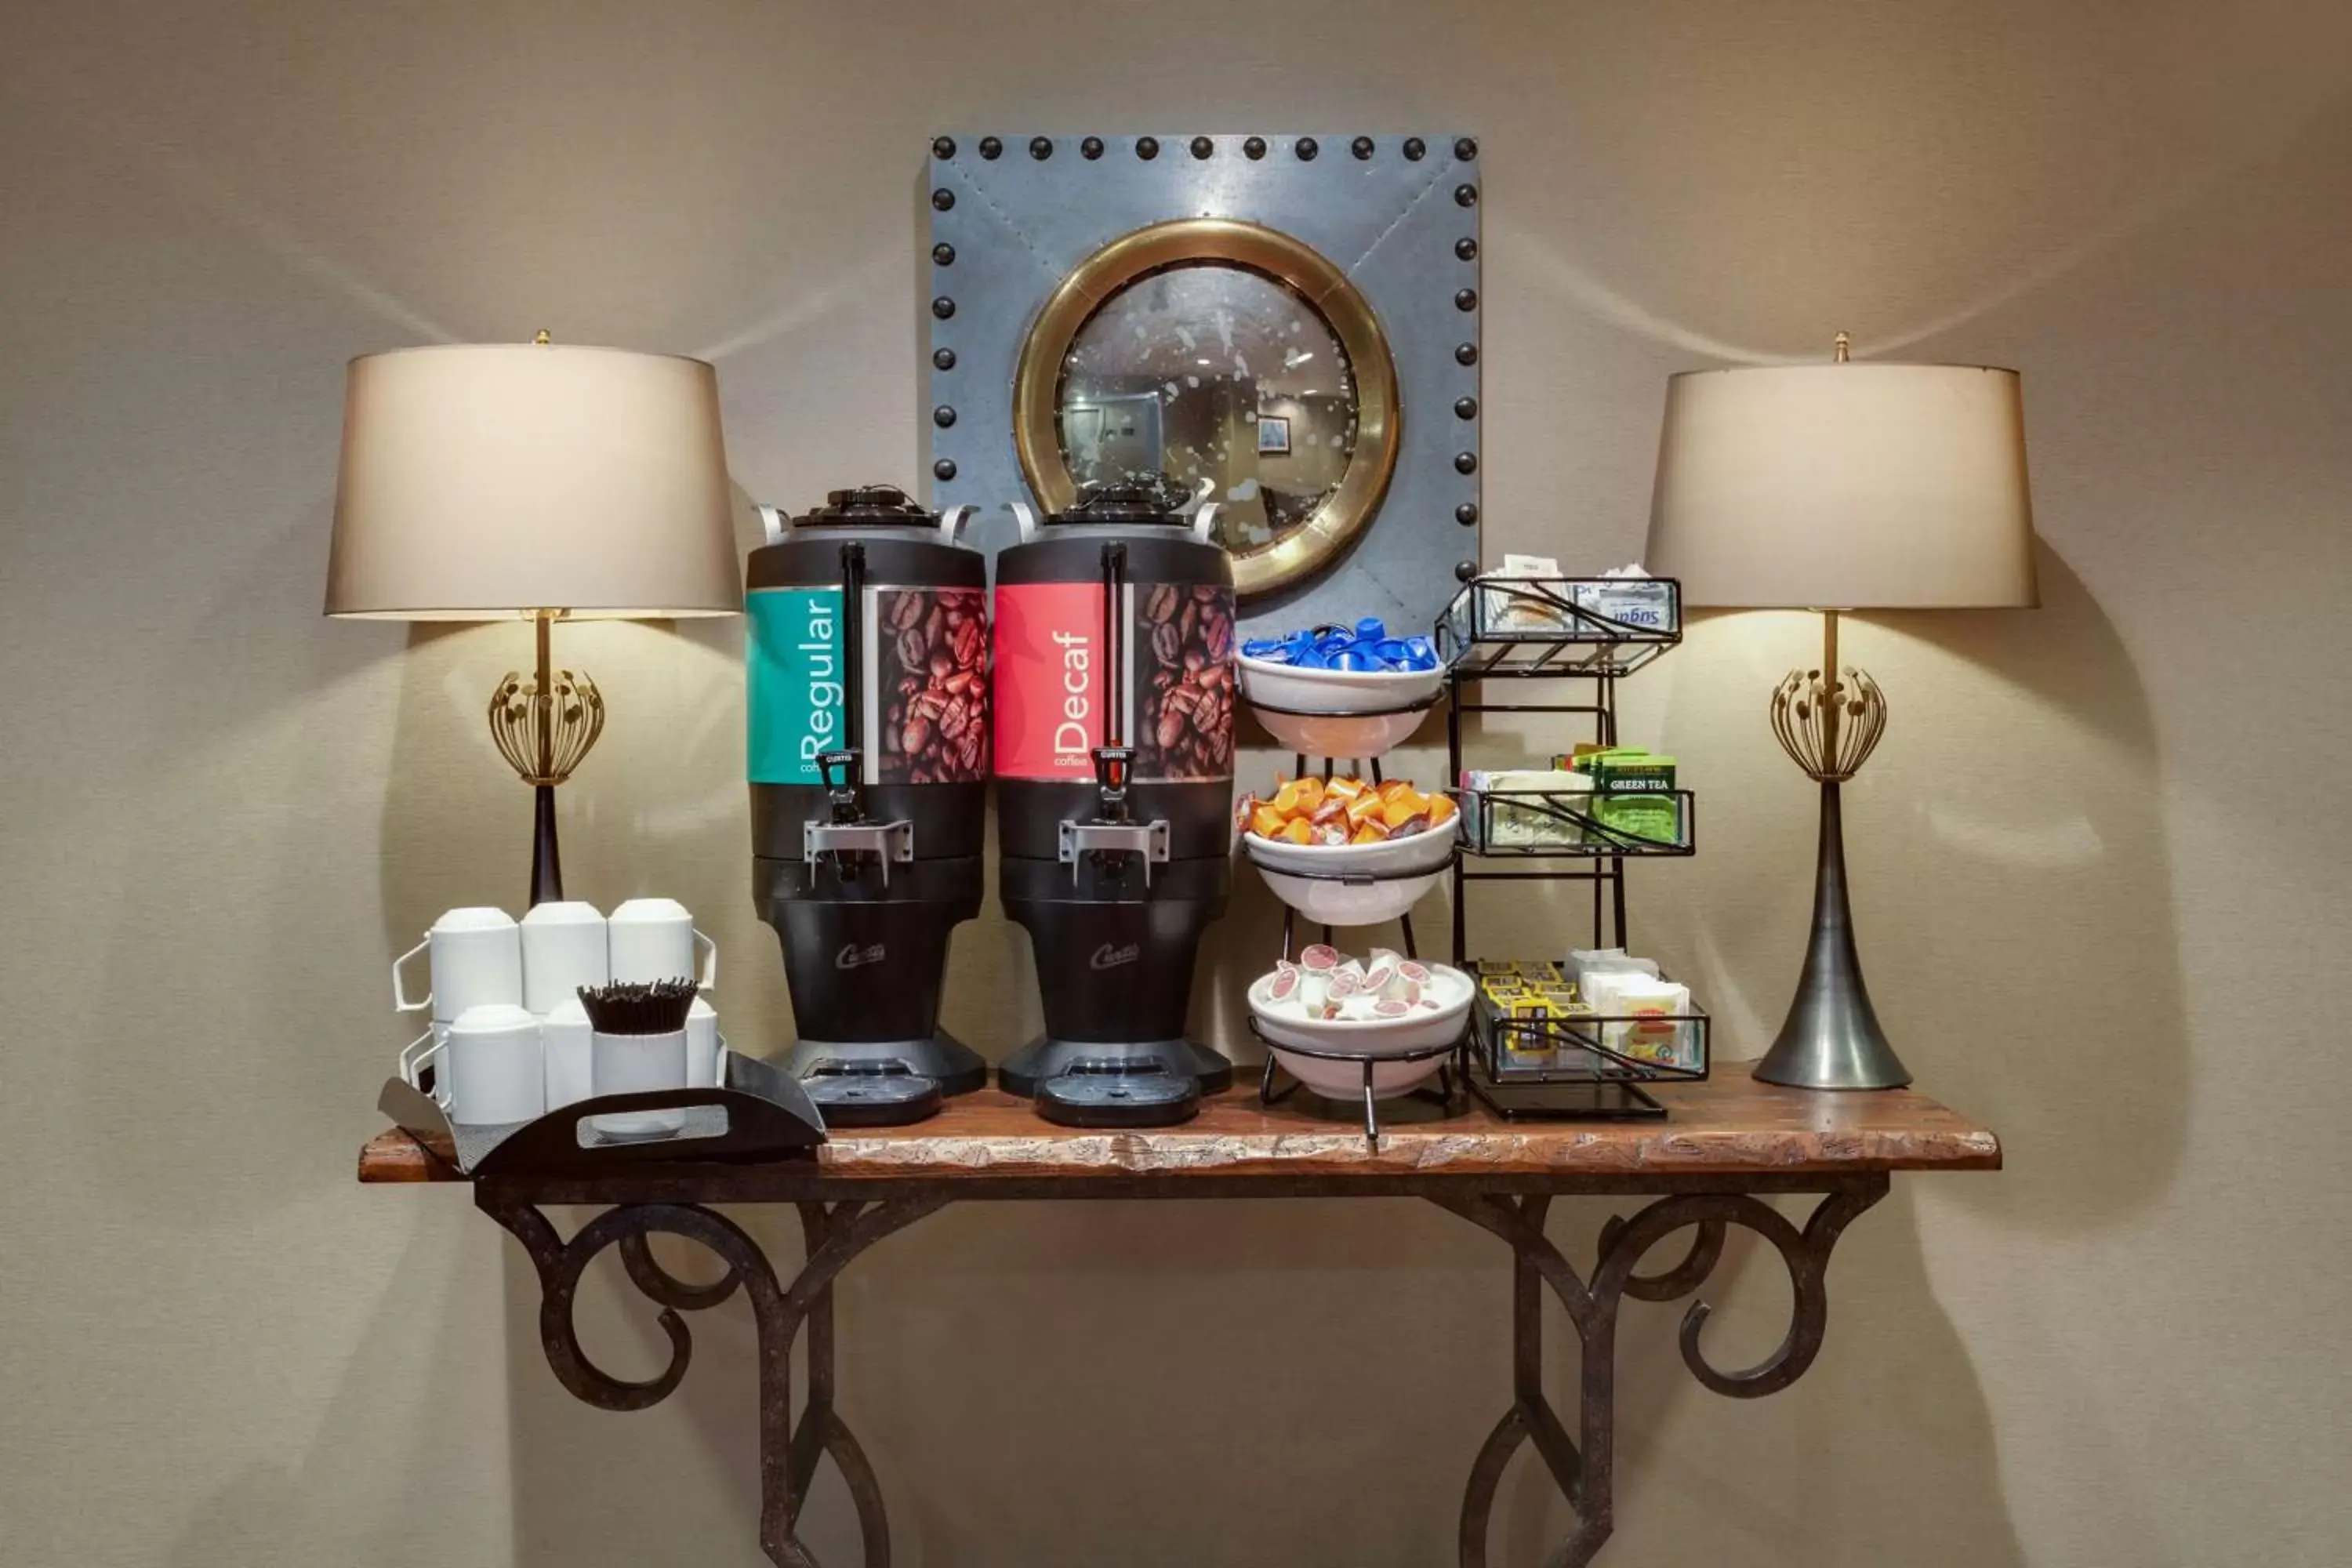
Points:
[(571, 1070), (655, 939), (492, 1070), (635, 1064), (475, 960), (563, 948), (702, 1045)]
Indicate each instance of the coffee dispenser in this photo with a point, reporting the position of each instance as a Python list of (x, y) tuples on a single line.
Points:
[(1114, 683), (868, 758)]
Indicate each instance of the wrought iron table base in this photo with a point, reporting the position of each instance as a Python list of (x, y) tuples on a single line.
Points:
[(789, 1453), (1581, 1467), (1584, 1467)]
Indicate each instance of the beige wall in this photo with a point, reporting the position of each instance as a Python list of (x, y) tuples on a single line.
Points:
[(2101, 857)]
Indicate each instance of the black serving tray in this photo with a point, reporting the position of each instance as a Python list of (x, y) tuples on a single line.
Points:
[(759, 1112)]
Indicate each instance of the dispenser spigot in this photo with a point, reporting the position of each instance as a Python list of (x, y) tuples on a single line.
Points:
[(1114, 766), (1113, 834), (851, 834), (839, 770)]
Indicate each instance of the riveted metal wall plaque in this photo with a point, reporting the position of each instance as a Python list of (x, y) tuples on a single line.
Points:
[(1034, 239)]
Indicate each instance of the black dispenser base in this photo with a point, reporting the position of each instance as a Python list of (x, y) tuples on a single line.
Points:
[(1091, 1083), (885, 1083)]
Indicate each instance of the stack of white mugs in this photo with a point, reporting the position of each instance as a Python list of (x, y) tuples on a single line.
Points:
[(508, 1039)]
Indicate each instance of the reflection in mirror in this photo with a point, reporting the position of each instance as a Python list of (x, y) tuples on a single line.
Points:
[(1212, 372)]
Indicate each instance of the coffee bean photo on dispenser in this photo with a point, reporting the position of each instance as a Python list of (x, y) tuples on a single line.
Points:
[(931, 680), (1184, 678)]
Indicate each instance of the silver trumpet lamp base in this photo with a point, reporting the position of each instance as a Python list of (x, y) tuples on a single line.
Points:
[(1828, 721), (1831, 1037)]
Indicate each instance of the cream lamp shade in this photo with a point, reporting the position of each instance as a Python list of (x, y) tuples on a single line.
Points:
[(482, 480), (1844, 486)]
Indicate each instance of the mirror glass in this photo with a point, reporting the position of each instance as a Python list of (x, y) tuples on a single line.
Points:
[(1216, 371)]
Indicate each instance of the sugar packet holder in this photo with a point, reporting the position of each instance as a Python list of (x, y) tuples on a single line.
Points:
[(1527, 596)]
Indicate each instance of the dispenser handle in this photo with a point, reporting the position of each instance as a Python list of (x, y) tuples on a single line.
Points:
[(952, 521), (1113, 768), (1114, 642), (1025, 518), (853, 656), (773, 519), (842, 790)]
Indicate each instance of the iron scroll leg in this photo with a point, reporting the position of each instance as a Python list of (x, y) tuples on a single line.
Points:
[(1582, 1467), (789, 1453)]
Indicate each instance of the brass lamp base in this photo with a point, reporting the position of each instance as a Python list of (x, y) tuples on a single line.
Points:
[(1828, 721), (544, 727)]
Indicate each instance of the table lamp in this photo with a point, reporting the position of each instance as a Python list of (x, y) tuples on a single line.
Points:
[(1841, 487), (552, 483)]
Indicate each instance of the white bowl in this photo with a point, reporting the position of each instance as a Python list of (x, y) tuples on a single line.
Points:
[(1339, 713), (1424, 855), (1373, 1036), (1344, 1081)]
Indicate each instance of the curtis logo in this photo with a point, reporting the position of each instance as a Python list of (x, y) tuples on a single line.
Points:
[(853, 955), (1109, 957)]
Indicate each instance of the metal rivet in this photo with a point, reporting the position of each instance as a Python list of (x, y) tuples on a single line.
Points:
[(943, 416), (943, 359), (1203, 146), (1091, 148), (1465, 299), (1415, 148), (1466, 249), (1465, 408), (943, 199), (944, 307), (1362, 147), (1465, 570), (944, 468), (1466, 148), (1040, 148), (1465, 195), (1307, 149), (1466, 514), (943, 147), (1466, 354), (989, 147), (1147, 147), (943, 254), (1465, 462), (1253, 148)]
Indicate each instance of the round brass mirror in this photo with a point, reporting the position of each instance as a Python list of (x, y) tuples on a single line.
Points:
[(1235, 359)]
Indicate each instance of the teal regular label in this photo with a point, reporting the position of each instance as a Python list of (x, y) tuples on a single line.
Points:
[(793, 675)]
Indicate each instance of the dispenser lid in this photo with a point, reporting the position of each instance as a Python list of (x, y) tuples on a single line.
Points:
[(1134, 499), (868, 506)]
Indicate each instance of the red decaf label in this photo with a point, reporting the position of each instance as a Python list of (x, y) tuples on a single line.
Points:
[(1050, 679), (1053, 678)]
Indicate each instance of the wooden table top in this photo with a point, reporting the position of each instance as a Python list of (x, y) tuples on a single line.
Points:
[(1731, 1126)]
